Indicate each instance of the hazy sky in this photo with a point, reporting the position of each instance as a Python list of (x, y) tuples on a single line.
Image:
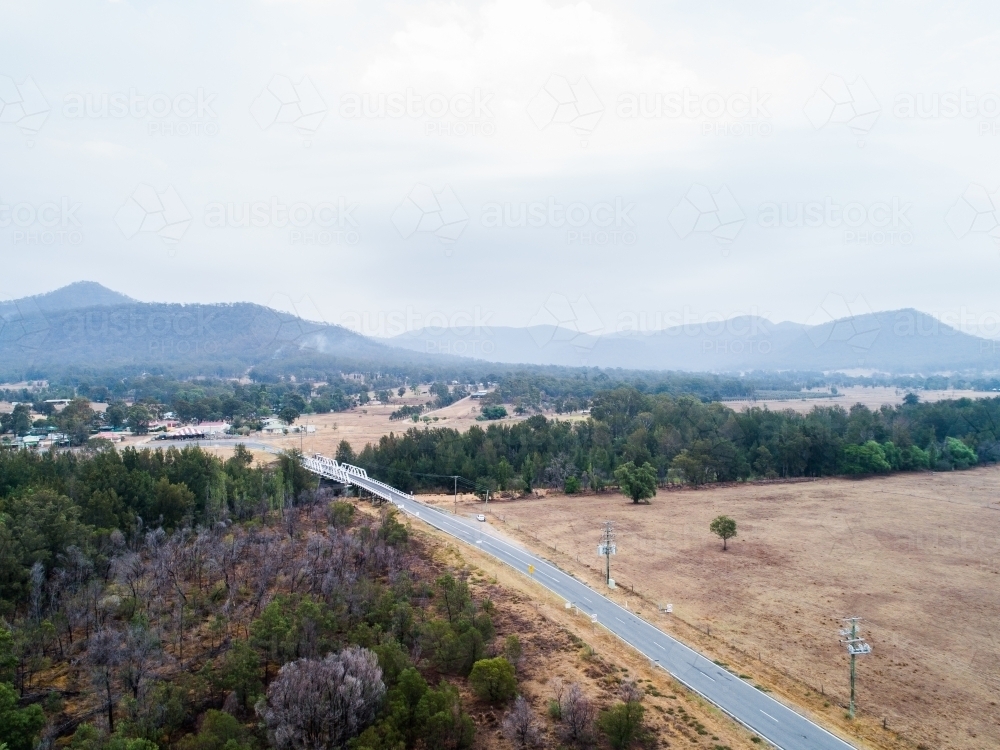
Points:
[(616, 164)]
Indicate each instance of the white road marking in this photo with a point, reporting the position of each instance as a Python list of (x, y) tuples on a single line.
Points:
[(507, 552)]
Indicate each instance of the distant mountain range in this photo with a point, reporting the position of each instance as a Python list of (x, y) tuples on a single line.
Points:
[(899, 341), (87, 327)]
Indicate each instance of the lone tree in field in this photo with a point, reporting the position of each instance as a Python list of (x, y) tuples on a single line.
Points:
[(638, 482), (723, 527)]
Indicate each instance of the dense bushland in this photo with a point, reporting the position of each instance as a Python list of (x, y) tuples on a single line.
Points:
[(170, 599), (686, 440)]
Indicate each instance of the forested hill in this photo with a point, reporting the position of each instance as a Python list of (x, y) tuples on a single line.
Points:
[(183, 340), (86, 328), (683, 440)]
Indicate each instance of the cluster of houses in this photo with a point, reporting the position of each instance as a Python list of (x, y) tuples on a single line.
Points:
[(195, 432), (209, 430), (34, 441), (168, 427), (273, 426)]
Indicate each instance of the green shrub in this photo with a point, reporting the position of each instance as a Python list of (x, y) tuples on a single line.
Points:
[(914, 459), (493, 680), (864, 459), (86, 737), (442, 722), (637, 482), (572, 485), (554, 710), (958, 453), (19, 727), (240, 672), (340, 513), (512, 650), (622, 724), (219, 731)]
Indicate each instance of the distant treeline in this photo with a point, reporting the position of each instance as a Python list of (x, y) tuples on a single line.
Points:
[(689, 441), (565, 391)]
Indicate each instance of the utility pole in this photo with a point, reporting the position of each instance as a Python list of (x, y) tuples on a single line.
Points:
[(856, 646), (456, 495), (607, 548)]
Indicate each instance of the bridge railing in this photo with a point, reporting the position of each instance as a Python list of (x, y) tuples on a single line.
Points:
[(349, 474), (383, 484), (325, 467)]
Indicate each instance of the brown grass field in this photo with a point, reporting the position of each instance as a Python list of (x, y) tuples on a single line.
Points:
[(917, 556), (365, 424), (872, 397)]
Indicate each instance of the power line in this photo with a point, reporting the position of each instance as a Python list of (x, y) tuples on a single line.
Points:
[(607, 548), (856, 646)]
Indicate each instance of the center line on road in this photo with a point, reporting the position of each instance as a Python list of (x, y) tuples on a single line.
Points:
[(646, 632)]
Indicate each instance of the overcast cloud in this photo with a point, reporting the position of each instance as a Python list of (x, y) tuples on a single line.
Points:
[(426, 162)]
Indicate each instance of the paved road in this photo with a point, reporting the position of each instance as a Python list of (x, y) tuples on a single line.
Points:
[(767, 717), (772, 720)]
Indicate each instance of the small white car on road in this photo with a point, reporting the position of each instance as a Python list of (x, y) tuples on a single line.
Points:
[(480, 517)]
